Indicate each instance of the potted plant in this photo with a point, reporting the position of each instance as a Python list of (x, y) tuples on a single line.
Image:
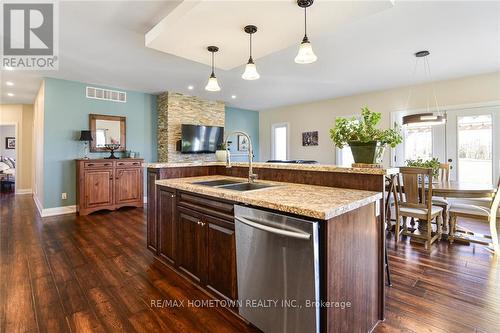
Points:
[(367, 142), (221, 153), (433, 163)]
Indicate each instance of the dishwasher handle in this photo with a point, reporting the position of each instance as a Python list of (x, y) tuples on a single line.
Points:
[(257, 225)]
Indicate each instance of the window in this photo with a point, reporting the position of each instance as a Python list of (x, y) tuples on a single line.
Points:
[(474, 135), (418, 142), (280, 142)]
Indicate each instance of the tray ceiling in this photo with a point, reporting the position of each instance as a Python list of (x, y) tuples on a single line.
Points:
[(193, 25)]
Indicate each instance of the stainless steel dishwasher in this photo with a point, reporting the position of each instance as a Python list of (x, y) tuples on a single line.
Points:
[(278, 270)]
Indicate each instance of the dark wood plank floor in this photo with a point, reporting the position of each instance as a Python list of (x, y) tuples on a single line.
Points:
[(93, 273)]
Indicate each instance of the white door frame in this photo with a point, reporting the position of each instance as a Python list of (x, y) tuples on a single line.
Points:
[(18, 147), (273, 126), (452, 134)]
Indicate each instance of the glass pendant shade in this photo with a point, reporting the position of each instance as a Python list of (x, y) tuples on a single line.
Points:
[(250, 72), (306, 54), (212, 84)]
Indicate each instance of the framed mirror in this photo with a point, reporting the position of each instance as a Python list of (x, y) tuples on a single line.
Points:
[(107, 130)]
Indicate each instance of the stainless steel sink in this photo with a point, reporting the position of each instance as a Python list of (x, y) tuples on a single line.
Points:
[(245, 186), (219, 182)]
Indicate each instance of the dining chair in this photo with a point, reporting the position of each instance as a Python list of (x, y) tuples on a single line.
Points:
[(443, 177), (414, 200), (487, 214)]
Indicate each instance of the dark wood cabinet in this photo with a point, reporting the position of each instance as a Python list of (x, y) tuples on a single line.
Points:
[(221, 259), (152, 228), (108, 184), (191, 245), (166, 226), (195, 239)]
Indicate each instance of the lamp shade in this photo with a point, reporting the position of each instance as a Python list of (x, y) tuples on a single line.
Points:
[(250, 72), (85, 136), (212, 84), (306, 54), (422, 119)]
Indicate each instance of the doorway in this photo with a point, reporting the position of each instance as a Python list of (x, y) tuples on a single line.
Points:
[(469, 141), (8, 158)]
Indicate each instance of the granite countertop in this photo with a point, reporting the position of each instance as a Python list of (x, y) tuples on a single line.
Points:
[(282, 166), (318, 202)]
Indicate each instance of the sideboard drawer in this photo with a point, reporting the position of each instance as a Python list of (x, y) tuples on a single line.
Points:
[(100, 164), (128, 164)]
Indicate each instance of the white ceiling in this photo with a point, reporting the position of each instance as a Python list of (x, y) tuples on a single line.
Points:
[(103, 43), (221, 23)]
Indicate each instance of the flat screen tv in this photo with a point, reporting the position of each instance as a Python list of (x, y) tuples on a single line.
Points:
[(201, 139)]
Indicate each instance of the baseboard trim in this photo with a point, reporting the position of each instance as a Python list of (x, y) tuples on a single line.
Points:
[(24, 191), (38, 205), (58, 211)]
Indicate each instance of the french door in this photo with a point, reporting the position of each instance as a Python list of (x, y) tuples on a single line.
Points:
[(469, 141), (472, 144)]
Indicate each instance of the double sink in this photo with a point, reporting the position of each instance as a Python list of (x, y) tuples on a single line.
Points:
[(235, 185)]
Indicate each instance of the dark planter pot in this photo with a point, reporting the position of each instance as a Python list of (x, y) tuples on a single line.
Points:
[(367, 152)]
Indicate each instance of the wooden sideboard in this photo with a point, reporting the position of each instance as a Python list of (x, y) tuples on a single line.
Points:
[(108, 184)]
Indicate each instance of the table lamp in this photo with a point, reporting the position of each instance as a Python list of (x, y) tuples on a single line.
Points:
[(86, 136)]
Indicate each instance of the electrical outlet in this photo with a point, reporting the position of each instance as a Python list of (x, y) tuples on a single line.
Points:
[(64, 196)]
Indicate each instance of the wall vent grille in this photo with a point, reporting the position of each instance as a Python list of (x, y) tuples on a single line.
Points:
[(107, 94)]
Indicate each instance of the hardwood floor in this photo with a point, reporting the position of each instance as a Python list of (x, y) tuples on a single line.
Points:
[(94, 273)]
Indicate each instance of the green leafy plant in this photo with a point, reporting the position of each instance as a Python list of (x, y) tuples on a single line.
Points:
[(364, 130), (433, 163)]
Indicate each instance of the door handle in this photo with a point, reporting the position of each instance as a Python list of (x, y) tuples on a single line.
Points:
[(201, 223), (287, 233)]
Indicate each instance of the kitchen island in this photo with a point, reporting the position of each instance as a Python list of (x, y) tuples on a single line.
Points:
[(195, 235)]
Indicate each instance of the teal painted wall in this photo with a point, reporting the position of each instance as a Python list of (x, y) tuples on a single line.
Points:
[(246, 121), (67, 112)]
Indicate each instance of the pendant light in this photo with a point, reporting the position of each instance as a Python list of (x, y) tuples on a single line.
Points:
[(212, 84), (306, 54), (427, 118), (250, 69)]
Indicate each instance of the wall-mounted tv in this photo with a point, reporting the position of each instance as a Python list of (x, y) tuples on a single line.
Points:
[(201, 139)]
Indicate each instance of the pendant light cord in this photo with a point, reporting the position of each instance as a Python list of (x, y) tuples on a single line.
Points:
[(305, 22), (432, 85), (213, 74), (410, 90), (251, 46)]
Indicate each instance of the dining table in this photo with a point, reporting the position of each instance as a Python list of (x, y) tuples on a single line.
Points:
[(454, 190)]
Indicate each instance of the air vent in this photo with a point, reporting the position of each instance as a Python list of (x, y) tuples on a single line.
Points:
[(106, 94)]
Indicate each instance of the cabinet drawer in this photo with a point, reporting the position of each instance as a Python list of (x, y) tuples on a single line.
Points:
[(214, 207), (100, 164), (128, 164)]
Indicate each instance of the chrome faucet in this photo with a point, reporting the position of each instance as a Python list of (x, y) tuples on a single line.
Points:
[(251, 176)]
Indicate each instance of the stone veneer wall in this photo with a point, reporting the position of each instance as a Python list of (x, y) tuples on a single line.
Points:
[(175, 109)]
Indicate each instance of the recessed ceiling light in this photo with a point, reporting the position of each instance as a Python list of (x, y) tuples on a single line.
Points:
[(10, 94), (8, 68), (233, 96), (9, 83), (190, 87)]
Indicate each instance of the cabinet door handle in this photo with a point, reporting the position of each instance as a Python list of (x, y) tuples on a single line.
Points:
[(107, 164), (90, 164), (135, 163), (120, 163), (172, 195)]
